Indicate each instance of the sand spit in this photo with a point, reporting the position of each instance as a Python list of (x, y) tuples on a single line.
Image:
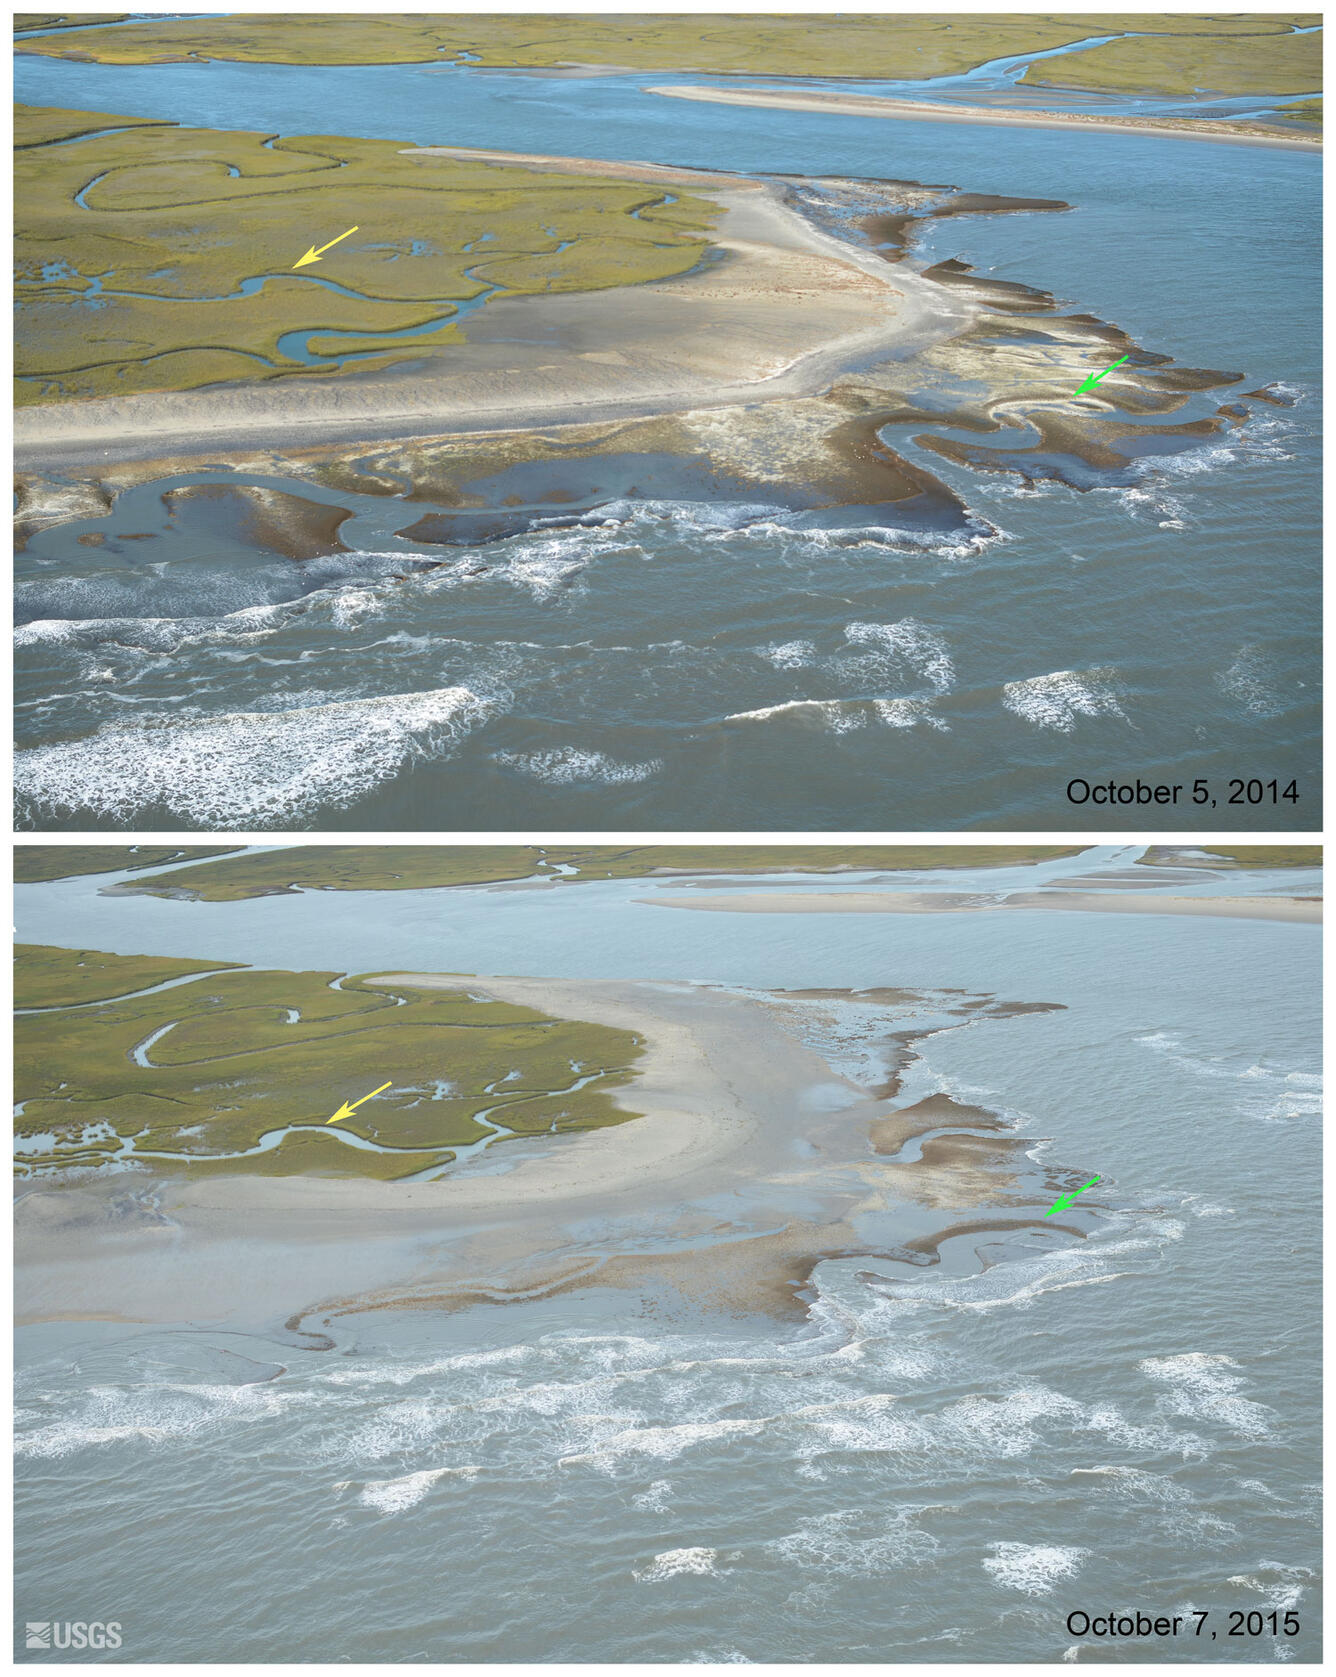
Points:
[(752, 1160), (1296, 910), (914, 110)]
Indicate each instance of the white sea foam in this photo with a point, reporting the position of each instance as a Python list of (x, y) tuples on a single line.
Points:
[(908, 643), (153, 634), (1135, 1484), (1058, 699), (244, 768), (544, 566), (1281, 1587), (832, 715), (663, 1443), (570, 765), (1006, 1426), (909, 713), (791, 655), (875, 1422), (352, 606), (857, 1541), (845, 716), (1252, 680), (151, 1415), (392, 1496), (1033, 1568), (674, 1563), (1268, 1093), (654, 1499), (1201, 1386)]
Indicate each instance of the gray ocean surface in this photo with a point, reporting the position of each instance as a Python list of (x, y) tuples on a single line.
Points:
[(935, 1465), (644, 673)]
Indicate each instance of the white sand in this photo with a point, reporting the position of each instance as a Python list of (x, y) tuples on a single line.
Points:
[(1294, 909), (914, 110)]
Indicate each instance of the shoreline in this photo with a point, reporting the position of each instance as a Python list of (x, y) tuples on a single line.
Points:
[(912, 110), (784, 311), (1292, 910)]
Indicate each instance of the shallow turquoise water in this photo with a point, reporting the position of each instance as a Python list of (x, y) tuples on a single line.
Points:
[(1164, 626), (938, 1465)]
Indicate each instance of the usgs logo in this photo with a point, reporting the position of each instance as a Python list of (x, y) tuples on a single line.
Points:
[(64, 1633)]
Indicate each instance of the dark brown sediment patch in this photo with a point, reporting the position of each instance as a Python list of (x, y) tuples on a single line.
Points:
[(989, 203), (962, 1172), (498, 487), (1271, 395), (304, 1337), (929, 1245), (923, 1251), (256, 516), (890, 1133), (1011, 295)]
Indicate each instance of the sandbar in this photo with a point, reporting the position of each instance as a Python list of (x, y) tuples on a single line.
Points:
[(913, 110), (1296, 910)]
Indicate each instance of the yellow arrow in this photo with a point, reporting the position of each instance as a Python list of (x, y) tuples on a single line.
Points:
[(314, 255), (346, 1111)]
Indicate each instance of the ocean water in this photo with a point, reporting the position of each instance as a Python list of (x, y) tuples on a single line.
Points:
[(934, 1464), (691, 665)]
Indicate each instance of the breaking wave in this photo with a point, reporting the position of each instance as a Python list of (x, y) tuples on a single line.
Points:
[(571, 765), (1058, 699), (249, 767)]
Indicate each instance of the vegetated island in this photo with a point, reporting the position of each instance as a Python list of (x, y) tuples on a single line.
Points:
[(356, 867), (656, 385), (238, 1071), (155, 257), (34, 863), (1155, 52), (1208, 855), (394, 867)]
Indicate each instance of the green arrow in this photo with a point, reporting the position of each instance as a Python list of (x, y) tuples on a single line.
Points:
[(1092, 379), (1066, 1200)]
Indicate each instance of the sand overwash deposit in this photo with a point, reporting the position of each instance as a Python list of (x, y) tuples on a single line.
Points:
[(776, 373), (773, 1129)]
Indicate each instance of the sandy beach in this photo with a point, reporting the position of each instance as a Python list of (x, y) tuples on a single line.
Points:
[(779, 312), (1297, 910), (914, 110)]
